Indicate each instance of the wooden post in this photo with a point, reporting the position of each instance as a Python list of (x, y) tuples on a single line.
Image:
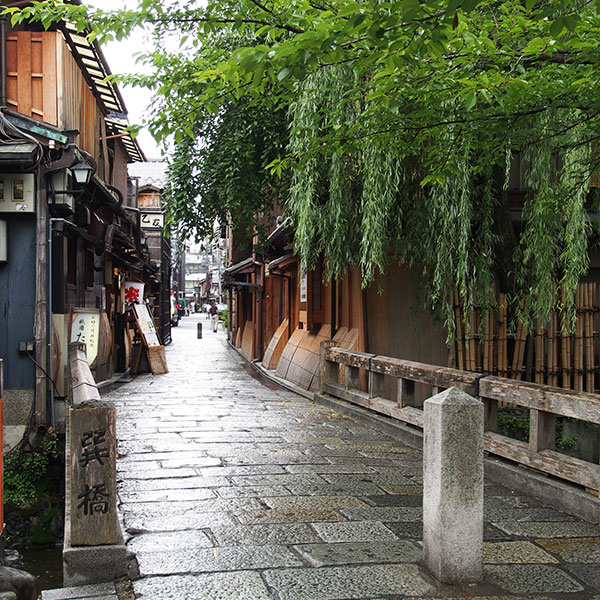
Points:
[(490, 415), (406, 392), (542, 430), (329, 371), (351, 377), (453, 487), (376, 384)]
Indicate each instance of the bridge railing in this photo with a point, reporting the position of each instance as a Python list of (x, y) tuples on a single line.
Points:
[(340, 377)]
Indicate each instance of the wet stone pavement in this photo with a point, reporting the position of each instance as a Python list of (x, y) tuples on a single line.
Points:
[(232, 488)]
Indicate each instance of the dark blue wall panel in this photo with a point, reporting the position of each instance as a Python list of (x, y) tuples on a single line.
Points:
[(17, 301)]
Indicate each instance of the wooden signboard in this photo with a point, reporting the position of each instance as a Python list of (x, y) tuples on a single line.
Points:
[(145, 324), (151, 344)]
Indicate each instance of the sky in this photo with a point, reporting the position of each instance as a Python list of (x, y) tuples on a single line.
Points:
[(120, 59)]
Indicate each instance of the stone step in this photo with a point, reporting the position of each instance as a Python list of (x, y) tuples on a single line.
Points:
[(100, 591)]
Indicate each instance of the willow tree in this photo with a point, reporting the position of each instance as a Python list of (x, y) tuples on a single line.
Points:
[(404, 118)]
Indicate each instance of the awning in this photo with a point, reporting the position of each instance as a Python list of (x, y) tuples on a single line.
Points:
[(240, 284), (24, 154), (245, 266), (90, 59), (281, 233), (283, 261)]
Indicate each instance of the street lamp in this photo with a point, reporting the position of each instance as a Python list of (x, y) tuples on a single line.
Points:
[(82, 172)]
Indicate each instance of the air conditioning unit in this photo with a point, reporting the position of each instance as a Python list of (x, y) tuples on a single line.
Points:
[(62, 182), (17, 193)]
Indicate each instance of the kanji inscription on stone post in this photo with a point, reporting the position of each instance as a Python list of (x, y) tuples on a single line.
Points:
[(93, 484)]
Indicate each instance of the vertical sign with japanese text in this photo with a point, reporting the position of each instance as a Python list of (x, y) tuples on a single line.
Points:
[(93, 500), (85, 329), (303, 285)]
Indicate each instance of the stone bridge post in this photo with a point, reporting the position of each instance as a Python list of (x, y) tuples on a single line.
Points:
[(453, 487), (94, 550)]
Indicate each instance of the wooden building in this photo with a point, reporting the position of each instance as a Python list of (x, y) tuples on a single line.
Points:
[(152, 222), (60, 120), (280, 314)]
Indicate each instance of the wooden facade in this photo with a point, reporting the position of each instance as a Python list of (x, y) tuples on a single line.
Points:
[(149, 202), (58, 98)]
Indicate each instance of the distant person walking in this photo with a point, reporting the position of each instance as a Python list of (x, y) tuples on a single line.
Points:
[(214, 316)]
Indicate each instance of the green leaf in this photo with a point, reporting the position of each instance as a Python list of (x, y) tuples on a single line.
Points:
[(557, 27), (535, 46), (470, 99), (283, 73), (469, 5), (571, 21)]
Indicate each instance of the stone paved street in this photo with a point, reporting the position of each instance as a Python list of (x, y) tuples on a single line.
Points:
[(232, 488)]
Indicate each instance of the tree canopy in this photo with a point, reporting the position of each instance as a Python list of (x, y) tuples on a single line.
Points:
[(389, 130)]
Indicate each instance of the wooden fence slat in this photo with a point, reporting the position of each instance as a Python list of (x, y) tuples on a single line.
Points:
[(578, 358), (460, 341), (539, 352), (519, 352), (502, 338), (565, 346)]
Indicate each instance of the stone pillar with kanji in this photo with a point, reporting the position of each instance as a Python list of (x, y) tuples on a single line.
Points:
[(93, 495)]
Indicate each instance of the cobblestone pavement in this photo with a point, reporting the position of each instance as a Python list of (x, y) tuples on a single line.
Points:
[(231, 488)]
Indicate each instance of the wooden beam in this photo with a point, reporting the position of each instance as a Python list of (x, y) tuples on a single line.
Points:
[(548, 461), (566, 403)]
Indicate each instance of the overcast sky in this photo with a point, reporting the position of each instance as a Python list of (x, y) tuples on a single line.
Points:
[(119, 56)]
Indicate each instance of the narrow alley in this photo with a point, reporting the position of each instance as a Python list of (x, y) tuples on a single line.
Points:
[(232, 488)]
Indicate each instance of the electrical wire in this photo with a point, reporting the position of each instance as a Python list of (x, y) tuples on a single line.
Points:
[(43, 371), (19, 138)]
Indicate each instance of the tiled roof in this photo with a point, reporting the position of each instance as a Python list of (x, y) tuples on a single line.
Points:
[(152, 172)]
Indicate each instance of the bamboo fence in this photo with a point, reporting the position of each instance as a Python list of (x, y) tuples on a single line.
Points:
[(548, 355)]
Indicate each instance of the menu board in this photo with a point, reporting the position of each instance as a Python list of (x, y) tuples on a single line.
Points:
[(85, 328), (145, 324)]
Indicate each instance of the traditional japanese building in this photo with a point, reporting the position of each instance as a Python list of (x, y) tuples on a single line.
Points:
[(70, 234)]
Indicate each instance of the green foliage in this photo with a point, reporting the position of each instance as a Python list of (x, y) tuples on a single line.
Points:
[(25, 472), (563, 443), (514, 423), (41, 532), (384, 128)]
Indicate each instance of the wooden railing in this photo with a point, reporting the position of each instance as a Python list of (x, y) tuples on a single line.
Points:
[(545, 403)]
